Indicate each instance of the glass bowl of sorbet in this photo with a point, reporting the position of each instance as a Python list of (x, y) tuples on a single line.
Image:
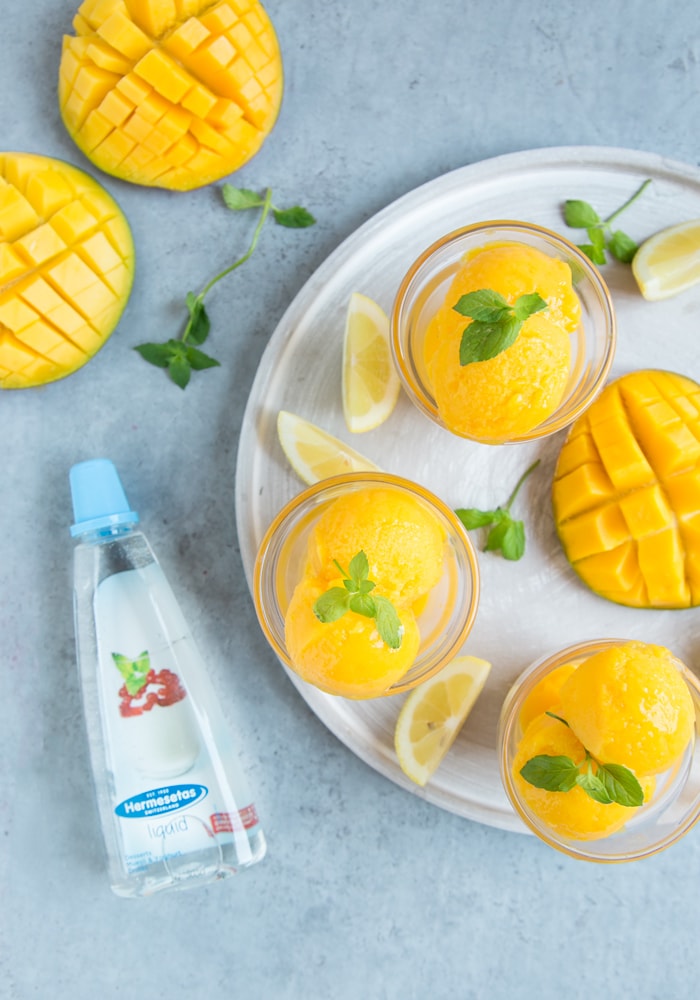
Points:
[(598, 752), (366, 584), (523, 292)]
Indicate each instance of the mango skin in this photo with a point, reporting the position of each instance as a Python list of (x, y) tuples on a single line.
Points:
[(66, 268), (626, 492), (170, 93)]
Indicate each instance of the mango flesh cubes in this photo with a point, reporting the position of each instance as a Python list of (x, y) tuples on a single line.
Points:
[(66, 268), (626, 492), (170, 93)]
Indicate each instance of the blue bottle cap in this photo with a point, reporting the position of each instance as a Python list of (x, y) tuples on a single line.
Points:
[(99, 500)]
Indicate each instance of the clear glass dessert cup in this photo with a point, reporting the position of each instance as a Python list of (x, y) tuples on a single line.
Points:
[(449, 612), (674, 807), (427, 282)]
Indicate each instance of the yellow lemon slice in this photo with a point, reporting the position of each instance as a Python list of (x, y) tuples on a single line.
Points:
[(433, 715), (314, 454), (370, 381), (669, 261)]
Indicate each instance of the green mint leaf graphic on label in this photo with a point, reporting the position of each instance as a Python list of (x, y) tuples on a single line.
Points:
[(507, 535), (495, 324), (355, 596), (609, 783), (135, 672)]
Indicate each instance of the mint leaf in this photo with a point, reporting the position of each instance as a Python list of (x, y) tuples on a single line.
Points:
[(239, 199), (495, 324), (528, 305), (622, 247), (332, 605), (293, 218), (485, 305), (180, 370), (156, 354), (199, 360), (595, 250), (597, 238), (363, 604), (593, 786), (593, 253), (354, 596), (621, 785), (554, 774), (472, 517), (197, 329), (359, 567), (135, 672), (579, 214), (495, 537), (513, 542), (181, 363), (483, 341), (507, 534), (388, 623)]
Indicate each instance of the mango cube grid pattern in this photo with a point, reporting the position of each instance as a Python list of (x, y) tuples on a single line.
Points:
[(626, 492), (66, 268), (170, 93)]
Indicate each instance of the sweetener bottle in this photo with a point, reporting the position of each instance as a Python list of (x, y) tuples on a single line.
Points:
[(174, 804)]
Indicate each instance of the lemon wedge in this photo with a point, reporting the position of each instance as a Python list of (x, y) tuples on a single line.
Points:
[(370, 381), (669, 261), (314, 454), (434, 713)]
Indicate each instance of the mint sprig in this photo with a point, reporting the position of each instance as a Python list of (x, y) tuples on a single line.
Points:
[(135, 672), (507, 534), (608, 783), (580, 214), (181, 356), (355, 595), (495, 323)]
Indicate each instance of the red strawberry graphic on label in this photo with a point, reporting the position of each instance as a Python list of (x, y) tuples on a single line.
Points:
[(143, 688)]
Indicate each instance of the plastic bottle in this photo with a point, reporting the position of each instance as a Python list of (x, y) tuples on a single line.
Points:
[(175, 808)]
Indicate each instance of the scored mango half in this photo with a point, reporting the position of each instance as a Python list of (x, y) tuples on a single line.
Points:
[(626, 492), (66, 268), (170, 93)]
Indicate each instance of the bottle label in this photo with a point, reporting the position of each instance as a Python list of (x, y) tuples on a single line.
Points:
[(178, 791)]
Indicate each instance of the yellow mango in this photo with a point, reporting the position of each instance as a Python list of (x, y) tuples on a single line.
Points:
[(626, 492), (66, 268), (170, 93)]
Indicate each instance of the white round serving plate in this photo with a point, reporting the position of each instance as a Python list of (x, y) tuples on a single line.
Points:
[(527, 608)]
